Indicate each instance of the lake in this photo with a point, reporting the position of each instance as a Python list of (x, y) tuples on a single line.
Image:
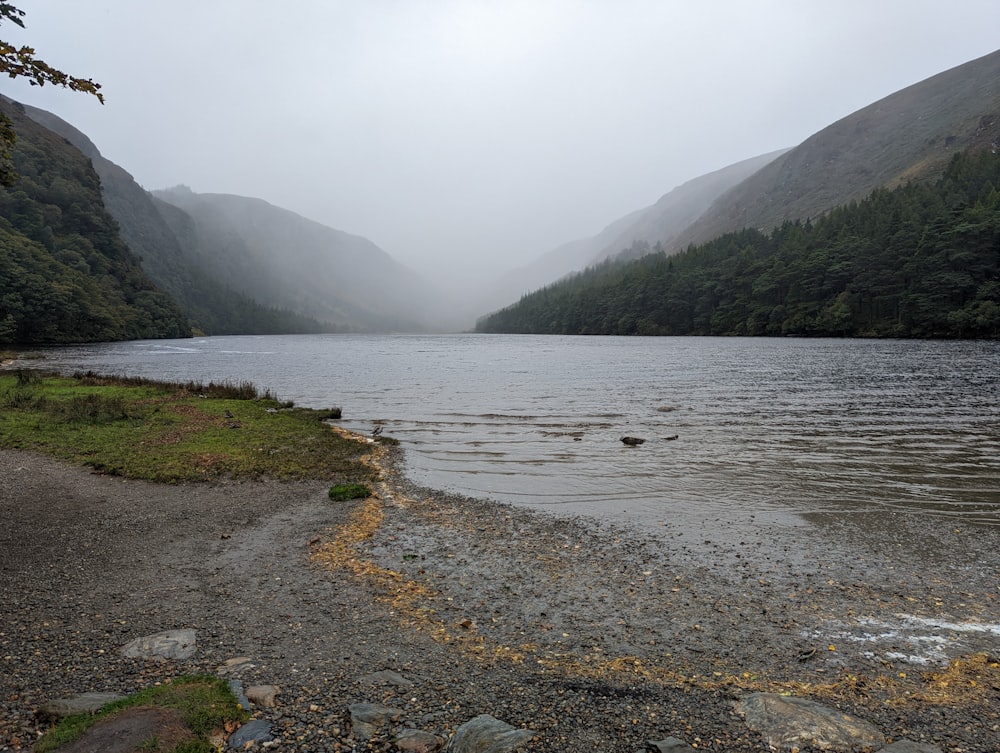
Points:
[(764, 429)]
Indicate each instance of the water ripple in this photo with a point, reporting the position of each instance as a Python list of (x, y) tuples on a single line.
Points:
[(838, 427)]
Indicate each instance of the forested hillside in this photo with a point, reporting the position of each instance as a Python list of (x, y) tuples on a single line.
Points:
[(65, 274), (919, 261), (282, 259), (165, 248), (627, 237)]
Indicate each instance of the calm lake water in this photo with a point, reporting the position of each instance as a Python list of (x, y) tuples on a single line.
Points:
[(773, 428)]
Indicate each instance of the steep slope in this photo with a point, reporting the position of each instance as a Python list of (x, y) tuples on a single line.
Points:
[(65, 273), (921, 261), (141, 227), (282, 259), (909, 135), (211, 306), (557, 263), (675, 211), (657, 223)]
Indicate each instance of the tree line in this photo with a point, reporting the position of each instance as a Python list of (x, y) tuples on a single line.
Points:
[(920, 261)]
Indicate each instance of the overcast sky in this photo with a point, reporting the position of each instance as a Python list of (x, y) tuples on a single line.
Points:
[(460, 134)]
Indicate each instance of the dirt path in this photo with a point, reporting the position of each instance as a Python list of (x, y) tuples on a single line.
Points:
[(595, 637)]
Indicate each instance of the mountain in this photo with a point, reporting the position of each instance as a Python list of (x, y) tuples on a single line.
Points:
[(908, 136), (920, 261), (657, 223), (667, 218), (211, 306), (239, 265), (282, 259), (551, 266), (66, 275), (886, 223)]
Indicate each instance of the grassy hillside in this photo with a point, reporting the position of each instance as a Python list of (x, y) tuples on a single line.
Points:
[(678, 209), (908, 136)]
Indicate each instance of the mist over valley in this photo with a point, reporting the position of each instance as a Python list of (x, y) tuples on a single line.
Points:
[(236, 262)]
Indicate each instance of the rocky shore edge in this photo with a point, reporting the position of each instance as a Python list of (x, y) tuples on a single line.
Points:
[(375, 653), (783, 722)]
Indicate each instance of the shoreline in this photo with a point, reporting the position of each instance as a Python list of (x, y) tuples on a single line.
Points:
[(590, 634)]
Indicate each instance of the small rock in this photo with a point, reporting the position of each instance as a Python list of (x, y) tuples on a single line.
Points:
[(170, 644), (386, 677), (485, 734), (84, 703), (366, 718), (257, 731), (633, 441), (234, 666), (263, 695), (418, 741), (237, 687), (908, 746), (669, 745)]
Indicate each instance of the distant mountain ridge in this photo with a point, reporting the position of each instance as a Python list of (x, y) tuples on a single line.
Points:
[(884, 224), (907, 136), (674, 211), (919, 261), (210, 305), (280, 258), (910, 135), (657, 223), (241, 265)]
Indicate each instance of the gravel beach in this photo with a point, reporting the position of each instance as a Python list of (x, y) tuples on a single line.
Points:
[(595, 637)]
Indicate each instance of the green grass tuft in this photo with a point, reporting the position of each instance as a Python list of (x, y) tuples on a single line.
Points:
[(344, 492), (206, 704)]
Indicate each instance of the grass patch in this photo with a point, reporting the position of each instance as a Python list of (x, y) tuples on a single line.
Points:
[(206, 704), (173, 432), (343, 492)]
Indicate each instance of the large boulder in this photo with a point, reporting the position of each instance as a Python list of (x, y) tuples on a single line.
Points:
[(485, 734), (170, 644), (84, 703), (786, 722)]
